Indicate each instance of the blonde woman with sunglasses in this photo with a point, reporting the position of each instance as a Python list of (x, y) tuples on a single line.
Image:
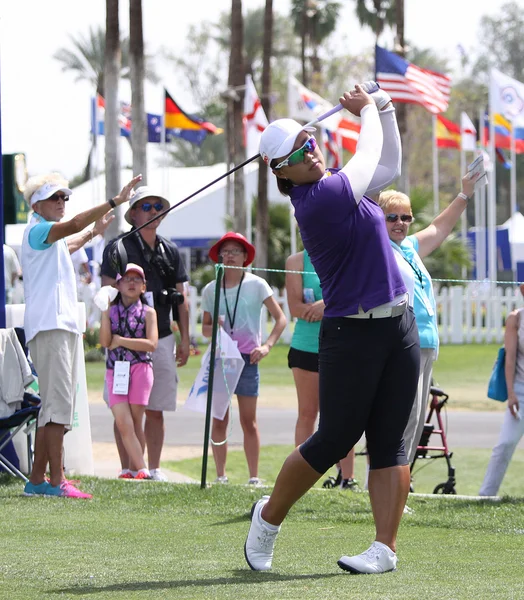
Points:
[(409, 251)]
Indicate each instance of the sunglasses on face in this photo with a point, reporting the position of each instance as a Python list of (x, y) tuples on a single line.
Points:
[(147, 206), (298, 156), (231, 252), (130, 279), (393, 218), (56, 197)]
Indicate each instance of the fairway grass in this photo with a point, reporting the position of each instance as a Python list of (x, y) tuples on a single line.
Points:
[(149, 540), (462, 371)]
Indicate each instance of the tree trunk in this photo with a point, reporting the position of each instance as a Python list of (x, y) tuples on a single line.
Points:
[(236, 83), (262, 236), (137, 74), (401, 108), (112, 65)]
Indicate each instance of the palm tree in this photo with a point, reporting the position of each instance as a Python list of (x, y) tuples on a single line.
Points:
[(137, 74), (314, 21), (85, 59), (262, 218), (376, 14), (112, 66), (236, 82)]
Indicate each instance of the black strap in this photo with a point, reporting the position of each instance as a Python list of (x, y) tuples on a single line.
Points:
[(232, 321)]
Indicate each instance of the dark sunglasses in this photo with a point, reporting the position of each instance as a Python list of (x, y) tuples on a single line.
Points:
[(147, 206), (298, 156), (56, 197), (393, 218)]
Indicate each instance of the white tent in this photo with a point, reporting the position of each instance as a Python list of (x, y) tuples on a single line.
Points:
[(515, 226)]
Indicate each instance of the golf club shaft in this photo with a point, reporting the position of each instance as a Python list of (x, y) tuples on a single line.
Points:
[(327, 114)]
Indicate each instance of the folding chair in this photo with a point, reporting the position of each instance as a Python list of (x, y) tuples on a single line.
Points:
[(20, 405), (26, 417)]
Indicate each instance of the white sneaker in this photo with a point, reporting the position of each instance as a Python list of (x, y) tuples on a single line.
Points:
[(157, 475), (260, 542), (222, 479), (378, 558), (255, 481)]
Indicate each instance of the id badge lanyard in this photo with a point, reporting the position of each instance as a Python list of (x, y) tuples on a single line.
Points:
[(232, 319)]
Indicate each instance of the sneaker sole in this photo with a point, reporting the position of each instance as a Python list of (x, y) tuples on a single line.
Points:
[(245, 544), (354, 571)]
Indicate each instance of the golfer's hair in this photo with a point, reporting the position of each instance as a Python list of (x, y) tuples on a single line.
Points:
[(390, 199), (284, 185), (39, 180)]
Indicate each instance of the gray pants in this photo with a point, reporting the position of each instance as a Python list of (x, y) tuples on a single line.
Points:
[(510, 434), (417, 417)]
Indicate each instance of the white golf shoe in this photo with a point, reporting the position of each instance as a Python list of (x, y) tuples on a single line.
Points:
[(260, 542), (378, 558)]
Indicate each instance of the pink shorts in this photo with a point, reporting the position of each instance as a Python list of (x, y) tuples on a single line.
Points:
[(140, 384)]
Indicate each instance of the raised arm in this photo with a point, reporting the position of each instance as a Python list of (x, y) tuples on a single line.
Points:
[(431, 237), (362, 166)]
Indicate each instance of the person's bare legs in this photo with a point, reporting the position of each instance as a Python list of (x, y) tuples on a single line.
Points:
[(296, 477), (218, 434), (40, 458), (388, 491), (122, 453), (154, 434), (306, 383), (137, 412), (347, 465), (247, 408), (125, 424), (53, 440)]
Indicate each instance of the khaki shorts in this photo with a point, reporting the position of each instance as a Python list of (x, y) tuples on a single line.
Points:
[(54, 354), (163, 393)]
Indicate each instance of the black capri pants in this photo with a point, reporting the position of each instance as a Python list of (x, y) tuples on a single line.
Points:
[(368, 371)]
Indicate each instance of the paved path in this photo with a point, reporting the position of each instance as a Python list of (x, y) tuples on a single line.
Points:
[(464, 429)]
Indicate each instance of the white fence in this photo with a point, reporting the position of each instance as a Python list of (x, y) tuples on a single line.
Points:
[(466, 315)]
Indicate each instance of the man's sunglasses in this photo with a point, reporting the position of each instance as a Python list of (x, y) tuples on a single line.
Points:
[(147, 206), (393, 218), (298, 156), (57, 197)]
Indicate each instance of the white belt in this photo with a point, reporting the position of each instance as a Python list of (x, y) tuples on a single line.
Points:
[(381, 313)]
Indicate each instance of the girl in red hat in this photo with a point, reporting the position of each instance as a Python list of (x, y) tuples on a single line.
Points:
[(241, 300)]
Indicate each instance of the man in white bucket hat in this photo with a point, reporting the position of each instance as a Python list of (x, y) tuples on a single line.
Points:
[(165, 276)]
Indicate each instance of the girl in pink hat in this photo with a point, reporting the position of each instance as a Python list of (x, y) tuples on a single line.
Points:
[(129, 331)]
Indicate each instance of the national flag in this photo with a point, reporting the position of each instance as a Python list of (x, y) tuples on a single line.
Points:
[(332, 149), (254, 118), (503, 134), (98, 110), (405, 82), (189, 127), (468, 132), (506, 97), (448, 133), (349, 130), (305, 105)]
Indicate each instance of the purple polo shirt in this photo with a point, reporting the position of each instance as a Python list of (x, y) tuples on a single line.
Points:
[(348, 245)]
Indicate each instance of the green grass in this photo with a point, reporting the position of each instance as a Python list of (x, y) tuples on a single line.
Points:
[(149, 540), (470, 465), (463, 371)]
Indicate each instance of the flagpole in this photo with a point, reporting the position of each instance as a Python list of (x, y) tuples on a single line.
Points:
[(492, 198), (165, 172), (436, 203), (464, 217), (513, 172)]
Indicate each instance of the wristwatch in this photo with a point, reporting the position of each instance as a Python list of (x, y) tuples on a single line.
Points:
[(463, 196), (112, 203)]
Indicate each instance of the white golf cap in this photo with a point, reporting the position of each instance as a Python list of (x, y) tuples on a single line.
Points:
[(140, 193), (47, 190), (278, 138)]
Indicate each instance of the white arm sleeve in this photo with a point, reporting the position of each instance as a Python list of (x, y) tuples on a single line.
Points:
[(362, 166), (389, 165)]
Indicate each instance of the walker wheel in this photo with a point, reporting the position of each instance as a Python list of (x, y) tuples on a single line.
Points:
[(329, 483), (445, 488)]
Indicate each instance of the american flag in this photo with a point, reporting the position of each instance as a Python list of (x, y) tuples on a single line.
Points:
[(405, 82)]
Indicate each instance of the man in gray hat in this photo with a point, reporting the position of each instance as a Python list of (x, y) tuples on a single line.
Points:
[(165, 276)]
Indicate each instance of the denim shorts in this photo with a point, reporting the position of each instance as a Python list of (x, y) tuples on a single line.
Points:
[(248, 383)]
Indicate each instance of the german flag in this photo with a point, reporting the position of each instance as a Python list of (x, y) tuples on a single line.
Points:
[(189, 127)]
